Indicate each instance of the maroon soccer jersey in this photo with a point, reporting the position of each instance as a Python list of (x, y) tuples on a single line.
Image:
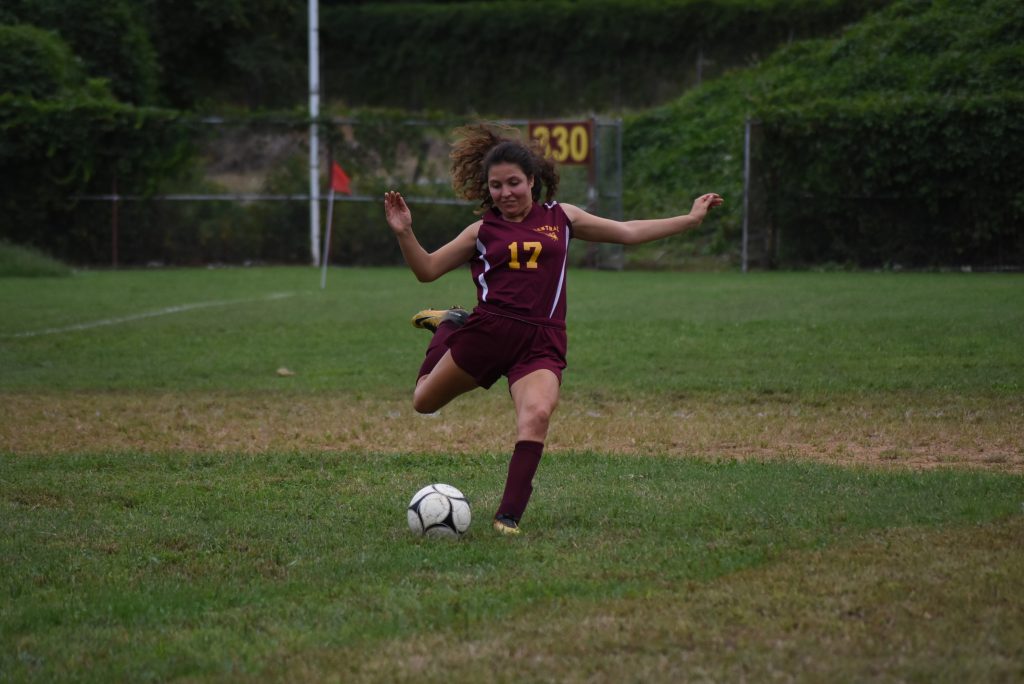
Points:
[(520, 268)]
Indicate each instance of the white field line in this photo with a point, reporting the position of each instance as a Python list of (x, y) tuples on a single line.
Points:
[(148, 314)]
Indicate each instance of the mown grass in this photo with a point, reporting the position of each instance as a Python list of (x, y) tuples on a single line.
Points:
[(159, 566), (631, 334), (173, 508), (905, 604)]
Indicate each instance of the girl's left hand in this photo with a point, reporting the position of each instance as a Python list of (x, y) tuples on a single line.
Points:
[(705, 203)]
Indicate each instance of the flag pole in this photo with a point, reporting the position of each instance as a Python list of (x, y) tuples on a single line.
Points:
[(339, 183), (327, 237)]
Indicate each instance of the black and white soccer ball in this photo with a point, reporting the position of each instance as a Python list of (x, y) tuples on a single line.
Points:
[(439, 510)]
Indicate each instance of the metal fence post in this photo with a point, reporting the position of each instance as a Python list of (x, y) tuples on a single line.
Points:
[(746, 195)]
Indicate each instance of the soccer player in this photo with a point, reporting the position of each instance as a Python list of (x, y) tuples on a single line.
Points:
[(517, 253)]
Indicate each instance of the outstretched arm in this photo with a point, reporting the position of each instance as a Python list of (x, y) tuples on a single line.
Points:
[(427, 266), (597, 229)]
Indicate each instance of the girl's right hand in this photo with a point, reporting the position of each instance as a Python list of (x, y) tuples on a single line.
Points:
[(397, 213)]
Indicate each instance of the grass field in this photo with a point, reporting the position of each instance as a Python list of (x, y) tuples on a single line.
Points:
[(796, 476)]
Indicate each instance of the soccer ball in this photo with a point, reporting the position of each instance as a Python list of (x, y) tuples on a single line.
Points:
[(439, 510)]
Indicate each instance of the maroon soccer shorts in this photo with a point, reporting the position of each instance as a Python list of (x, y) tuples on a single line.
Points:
[(491, 345)]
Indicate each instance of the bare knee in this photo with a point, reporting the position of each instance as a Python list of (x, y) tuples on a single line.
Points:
[(534, 419), (423, 406), (422, 402), (438, 387)]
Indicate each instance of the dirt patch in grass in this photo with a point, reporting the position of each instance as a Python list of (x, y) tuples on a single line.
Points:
[(884, 431)]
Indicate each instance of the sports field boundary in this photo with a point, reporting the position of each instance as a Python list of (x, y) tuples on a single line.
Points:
[(166, 311)]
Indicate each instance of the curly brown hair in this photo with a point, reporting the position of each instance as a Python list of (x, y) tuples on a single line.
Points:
[(480, 146)]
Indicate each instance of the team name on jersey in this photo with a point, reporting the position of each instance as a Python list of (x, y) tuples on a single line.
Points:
[(549, 231)]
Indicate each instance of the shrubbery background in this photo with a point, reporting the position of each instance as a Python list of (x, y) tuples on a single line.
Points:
[(892, 142)]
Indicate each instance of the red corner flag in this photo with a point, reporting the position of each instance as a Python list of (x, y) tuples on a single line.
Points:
[(339, 179)]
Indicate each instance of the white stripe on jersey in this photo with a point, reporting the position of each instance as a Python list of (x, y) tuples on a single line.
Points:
[(561, 277), (487, 267)]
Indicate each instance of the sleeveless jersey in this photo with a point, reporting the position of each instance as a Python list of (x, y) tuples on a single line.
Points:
[(519, 268)]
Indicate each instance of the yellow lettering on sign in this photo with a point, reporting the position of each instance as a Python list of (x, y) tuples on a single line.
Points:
[(543, 135), (566, 143), (579, 144), (560, 150)]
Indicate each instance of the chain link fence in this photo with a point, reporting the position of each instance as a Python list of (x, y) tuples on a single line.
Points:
[(246, 197)]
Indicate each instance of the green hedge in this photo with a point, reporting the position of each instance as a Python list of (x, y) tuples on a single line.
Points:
[(36, 63), (109, 37), (900, 199), (922, 180), (52, 151), (507, 58), (252, 53), (939, 64), (555, 57)]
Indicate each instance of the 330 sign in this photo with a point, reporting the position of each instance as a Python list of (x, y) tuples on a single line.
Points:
[(567, 142)]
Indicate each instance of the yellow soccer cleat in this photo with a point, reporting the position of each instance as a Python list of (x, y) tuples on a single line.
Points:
[(505, 525), (429, 319)]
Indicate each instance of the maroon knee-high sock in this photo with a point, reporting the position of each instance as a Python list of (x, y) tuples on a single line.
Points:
[(519, 484), (437, 347)]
